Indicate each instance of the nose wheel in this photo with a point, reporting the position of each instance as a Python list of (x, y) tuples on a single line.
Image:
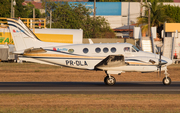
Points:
[(166, 80)]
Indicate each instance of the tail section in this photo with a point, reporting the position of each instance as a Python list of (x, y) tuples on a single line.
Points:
[(23, 37)]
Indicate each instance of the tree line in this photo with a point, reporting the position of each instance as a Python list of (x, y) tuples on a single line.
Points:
[(159, 14), (129, 0), (24, 11), (64, 15), (77, 16)]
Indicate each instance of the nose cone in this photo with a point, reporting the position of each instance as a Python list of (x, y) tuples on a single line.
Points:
[(166, 61), (163, 62)]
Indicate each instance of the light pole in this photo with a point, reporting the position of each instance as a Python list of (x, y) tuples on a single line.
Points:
[(11, 8), (94, 9), (128, 18), (149, 18), (50, 18), (34, 20), (149, 22), (141, 8), (13, 3)]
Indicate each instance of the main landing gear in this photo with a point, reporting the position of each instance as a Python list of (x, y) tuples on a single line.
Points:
[(109, 80), (166, 80)]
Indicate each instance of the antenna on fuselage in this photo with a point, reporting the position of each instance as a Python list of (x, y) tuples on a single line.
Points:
[(90, 41)]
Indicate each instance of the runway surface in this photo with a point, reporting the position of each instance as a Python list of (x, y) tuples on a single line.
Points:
[(89, 88)]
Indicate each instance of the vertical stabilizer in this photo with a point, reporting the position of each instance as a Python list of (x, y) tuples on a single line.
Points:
[(22, 36)]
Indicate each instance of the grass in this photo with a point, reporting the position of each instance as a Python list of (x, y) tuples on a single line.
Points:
[(37, 71), (119, 103), (67, 110)]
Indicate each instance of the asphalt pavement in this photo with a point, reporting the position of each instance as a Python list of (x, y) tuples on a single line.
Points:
[(89, 88)]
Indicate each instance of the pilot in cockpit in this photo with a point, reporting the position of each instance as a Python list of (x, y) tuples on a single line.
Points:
[(127, 49)]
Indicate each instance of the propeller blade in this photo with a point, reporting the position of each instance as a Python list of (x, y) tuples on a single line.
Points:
[(160, 71), (159, 64)]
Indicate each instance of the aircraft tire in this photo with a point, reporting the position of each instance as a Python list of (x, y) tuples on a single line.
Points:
[(105, 80), (109, 81), (166, 81)]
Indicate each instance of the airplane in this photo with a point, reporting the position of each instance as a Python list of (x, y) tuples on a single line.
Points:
[(112, 58)]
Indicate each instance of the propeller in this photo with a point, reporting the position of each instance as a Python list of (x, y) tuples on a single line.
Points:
[(159, 64)]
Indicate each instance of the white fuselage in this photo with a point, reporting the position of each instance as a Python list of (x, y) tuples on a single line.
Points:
[(87, 56)]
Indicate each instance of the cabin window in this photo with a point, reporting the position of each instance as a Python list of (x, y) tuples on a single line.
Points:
[(105, 50), (113, 49), (85, 50), (98, 50), (127, 49)]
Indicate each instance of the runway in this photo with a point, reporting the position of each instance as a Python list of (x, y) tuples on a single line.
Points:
[(89, 88)]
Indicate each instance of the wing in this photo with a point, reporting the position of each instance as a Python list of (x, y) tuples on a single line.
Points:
[(111, 61)]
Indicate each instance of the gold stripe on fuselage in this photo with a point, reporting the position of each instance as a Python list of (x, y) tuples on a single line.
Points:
[(138, 63), (58, 55)]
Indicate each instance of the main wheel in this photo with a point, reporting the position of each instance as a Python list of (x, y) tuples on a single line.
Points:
[(166, 81), (109, 81), (105, 79)]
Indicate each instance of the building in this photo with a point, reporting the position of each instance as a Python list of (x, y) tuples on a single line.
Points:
[(120, 15), (176, 0), (37, 5)]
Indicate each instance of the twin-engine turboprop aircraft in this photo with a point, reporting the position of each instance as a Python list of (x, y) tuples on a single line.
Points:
[(113, 58)]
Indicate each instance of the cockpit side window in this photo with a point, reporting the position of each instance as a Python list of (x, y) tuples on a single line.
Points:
[(135, 48), (126, 49)]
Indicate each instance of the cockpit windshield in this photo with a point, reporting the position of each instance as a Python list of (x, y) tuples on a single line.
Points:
[(135, 48)]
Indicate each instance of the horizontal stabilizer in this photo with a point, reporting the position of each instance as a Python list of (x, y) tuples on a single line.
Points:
[(30, 50), (34, 50), (18, 52)]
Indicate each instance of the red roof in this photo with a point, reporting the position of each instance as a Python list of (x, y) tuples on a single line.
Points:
[(37, 5), (72, 0), (176, 0)]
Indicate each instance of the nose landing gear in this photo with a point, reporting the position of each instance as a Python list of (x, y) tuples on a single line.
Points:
[(166, 80)]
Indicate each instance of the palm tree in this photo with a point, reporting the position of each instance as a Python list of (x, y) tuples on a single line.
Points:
[(157, 16)]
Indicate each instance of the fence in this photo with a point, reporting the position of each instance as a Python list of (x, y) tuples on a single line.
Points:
[(5, 35), (30, 22)]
